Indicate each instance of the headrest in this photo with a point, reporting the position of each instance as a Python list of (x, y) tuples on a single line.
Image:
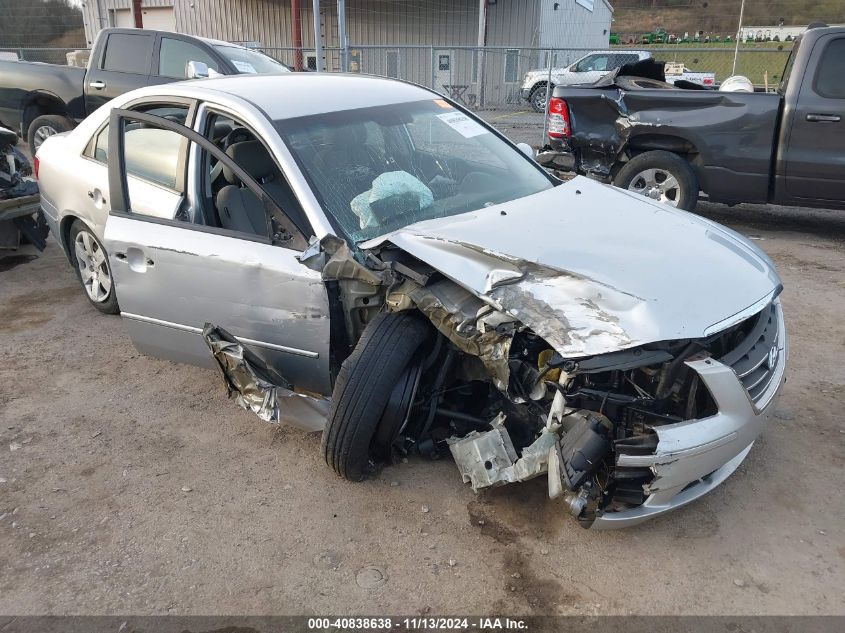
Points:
[(252, 158), (347, 135)]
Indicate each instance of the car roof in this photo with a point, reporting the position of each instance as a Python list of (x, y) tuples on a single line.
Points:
[(207, 40), (291, 95)]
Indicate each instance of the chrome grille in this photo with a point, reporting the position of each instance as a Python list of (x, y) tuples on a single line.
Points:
[(757, 356)]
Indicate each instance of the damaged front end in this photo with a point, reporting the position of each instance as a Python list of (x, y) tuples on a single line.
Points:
[(536, 371), (628, 435)]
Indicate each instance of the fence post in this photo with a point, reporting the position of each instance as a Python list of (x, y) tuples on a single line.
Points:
[(341, 27), (433, 70), (482, 80), (738, 36), (548, 101), (318, 43)]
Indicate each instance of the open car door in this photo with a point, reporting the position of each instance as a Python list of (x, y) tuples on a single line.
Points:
[(173, 276)]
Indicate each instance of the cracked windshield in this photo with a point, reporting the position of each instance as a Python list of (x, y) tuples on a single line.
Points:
[(377, 169)]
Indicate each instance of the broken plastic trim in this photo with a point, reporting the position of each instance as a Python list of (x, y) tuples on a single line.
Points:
[(253, 385), (489, 458)]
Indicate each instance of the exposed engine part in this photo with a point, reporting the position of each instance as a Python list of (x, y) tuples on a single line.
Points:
[(490, 459), (473, 326), (583, 448)]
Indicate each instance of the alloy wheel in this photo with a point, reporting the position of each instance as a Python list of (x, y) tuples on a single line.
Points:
[(93, 267), (538, 98), (42, 134), (657, 184)]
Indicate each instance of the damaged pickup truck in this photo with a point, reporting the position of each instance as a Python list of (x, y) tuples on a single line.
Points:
[(669, 144), (365, 258)]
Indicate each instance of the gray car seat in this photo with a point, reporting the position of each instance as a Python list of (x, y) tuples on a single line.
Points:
[(238, 207)]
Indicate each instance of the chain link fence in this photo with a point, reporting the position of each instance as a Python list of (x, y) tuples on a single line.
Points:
[(44, 55), (497, 78)]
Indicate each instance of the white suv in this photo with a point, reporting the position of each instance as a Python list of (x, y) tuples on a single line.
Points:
[(585, 70)]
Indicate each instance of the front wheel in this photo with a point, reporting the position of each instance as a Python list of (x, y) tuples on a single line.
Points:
[(661, 176), (92, 268), (373, 393), (538, 98)]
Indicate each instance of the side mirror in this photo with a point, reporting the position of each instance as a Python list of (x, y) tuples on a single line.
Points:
[(526, 149), (196, 70), (573, 68)]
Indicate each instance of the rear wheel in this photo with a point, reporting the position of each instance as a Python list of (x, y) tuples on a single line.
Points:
[(661, 176), (45, 126), (373, 393), (92, 268)]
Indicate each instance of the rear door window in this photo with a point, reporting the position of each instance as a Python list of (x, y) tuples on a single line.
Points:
[(99, 148), (128, 53), (830, 76)]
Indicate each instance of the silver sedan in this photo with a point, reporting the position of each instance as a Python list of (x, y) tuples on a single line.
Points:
[(364, 257)]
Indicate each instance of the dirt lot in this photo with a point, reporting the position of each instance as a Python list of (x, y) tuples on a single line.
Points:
[(132, 485)]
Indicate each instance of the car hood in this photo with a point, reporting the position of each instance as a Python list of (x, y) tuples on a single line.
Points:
[(594, 269)]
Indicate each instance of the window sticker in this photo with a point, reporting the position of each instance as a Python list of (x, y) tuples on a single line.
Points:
[(462, 124), (442, 103), (244, 67)]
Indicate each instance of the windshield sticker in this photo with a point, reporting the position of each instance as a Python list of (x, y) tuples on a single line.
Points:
[(244, 67), (462, 124), (442, 103)]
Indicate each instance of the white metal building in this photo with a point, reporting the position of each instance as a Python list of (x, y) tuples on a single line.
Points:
[(268, 23), (475, 50)]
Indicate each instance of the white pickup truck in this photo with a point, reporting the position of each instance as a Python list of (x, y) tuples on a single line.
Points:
[(595, 65)]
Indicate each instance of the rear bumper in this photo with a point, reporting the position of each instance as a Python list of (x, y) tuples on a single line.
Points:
[(551, 158), (51, 216), (695, 456), (525, 93)]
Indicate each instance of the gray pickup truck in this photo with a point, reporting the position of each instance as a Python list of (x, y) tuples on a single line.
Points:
[(671, 145), (40, 100)]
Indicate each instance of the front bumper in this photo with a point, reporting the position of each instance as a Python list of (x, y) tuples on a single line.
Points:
[(695, 456)]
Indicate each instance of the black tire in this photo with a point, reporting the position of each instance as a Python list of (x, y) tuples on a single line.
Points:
[(109, 304), (537, 101), (363, 387), (686, 194), (53, 122)]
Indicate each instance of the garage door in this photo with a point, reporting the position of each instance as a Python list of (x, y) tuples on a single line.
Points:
[(159, 18)]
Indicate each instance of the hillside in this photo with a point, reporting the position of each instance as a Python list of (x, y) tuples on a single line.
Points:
[(719, 16)]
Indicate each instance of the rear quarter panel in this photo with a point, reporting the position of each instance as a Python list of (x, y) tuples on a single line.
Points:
[(24, 80), (728, 136), (64, 179)]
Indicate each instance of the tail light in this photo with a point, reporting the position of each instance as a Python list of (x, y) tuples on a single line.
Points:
[(35, 164), (559, 123)]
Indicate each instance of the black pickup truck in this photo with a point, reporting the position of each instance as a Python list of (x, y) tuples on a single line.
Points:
[(671, 144), (44, 99)]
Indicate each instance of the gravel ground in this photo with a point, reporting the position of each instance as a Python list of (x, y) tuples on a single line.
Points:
[(132, 485)]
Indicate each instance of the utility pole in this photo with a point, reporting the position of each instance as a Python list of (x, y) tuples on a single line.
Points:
[(318, 44), (344, 42), (136, 13), (738, 36)]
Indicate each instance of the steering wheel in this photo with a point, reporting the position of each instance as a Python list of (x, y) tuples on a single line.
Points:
[(238, 135)]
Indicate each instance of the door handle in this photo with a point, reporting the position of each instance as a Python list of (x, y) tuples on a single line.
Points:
[(120, 256), (98, 85), (827, 118)]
